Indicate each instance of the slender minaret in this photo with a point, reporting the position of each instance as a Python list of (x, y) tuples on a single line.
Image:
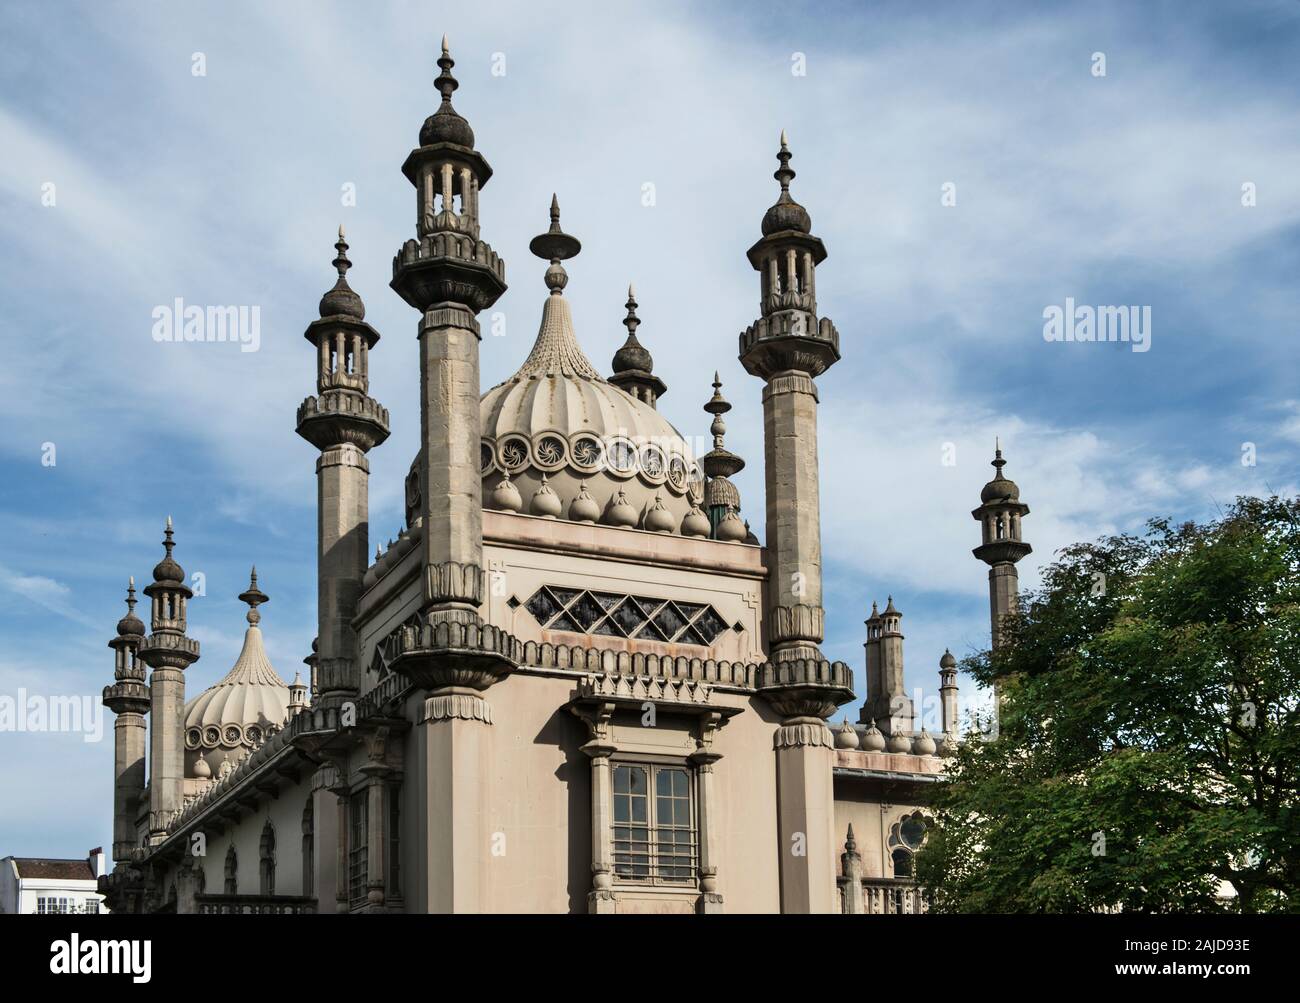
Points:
[(168, 651), (449, 275), (786, 347), (128, 699), (633, 364), (721, 497), (875, 686), (948, 692), (894, 714), (999, 517), (344, 422)]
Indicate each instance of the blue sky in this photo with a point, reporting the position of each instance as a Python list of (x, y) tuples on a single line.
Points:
[(225, 189)]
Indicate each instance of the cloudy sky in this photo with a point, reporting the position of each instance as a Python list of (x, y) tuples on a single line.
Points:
[(1122, 189)]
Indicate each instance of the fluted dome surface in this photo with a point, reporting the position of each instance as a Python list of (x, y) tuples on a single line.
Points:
[(559, 417)]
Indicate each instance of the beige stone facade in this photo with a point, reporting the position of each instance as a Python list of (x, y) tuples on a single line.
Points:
[(576, 682)]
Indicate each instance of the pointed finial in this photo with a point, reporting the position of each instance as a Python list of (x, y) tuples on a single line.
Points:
[(555, 246), (784, 174), (168, 542), (341, 262), (445, 82), (445, 50), (631, 321), (998, 462), (555, 213), (631, 291), (254, 597), (784, 143)]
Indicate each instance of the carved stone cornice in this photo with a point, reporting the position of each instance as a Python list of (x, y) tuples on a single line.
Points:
[(793, 382), (343, 417), (453, 582), (434, 656), (800, 687), (456, 704), (129, 696), (801, 622), (803, 733), (605, 693)]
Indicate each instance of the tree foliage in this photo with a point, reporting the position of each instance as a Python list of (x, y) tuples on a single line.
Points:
[(1149, 734)]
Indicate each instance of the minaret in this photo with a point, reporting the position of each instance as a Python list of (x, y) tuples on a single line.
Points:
[(633, 364), (786, 347), (344, 423), (893, 712), (128, 698), (999, 517), (721, 497), (168, 652), (449, 275), (948, 692), (875, 685)]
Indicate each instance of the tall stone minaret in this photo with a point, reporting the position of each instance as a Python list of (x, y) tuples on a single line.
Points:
[(786, 347), (999, 517), (168, 651), (449, 275), (344, 422), (892, 710), (128, 699)]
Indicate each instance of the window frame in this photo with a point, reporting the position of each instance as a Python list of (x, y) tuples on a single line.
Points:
[(654, 855), (358, 873)]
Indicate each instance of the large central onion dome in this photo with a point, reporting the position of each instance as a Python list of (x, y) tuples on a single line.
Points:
[(229, 719), (557, 426)]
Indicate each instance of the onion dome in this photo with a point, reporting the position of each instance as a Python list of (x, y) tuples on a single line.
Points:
[(786, 214), (559, 417), (633, 356), (546, 502), (696, 523), (130, 625), (620, 511), (505, 496), (250, 703), (899, 743), (1000, 489), (446, 125), (924, 744), (873, 740), (658, 519), (847, 736), (730, 528), (948, 661), (202, 771), (583, 508), (341, 300), (167, 571)]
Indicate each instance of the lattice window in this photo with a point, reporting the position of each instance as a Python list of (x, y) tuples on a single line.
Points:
[(655, 838), (358, 847), (612, 614)]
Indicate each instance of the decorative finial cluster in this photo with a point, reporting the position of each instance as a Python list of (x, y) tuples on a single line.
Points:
[(785, 173), (342, 300), (446, 83)]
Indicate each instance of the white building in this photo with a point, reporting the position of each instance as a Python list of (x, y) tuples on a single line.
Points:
[(45, 885)]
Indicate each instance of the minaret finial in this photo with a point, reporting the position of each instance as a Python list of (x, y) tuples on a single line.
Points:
[(341, 262), (997, 461), (631, 321), (784, 174), (445, 82)]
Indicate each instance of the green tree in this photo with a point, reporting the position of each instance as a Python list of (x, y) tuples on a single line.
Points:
[(1149, 735)]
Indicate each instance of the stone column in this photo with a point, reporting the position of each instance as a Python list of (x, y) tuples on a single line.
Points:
[(451, 488), (796, 622), (805, 758), (458, 770), (343, 538), (326, 839), (1004, 592), (601, 897), (128, 765), (710, 897), (342, 801)]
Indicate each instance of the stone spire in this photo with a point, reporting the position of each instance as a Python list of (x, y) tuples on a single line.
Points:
[(891, 708), (720, 494), (999, 516), (168, 652), (128, 698), (344, 422), (787, 347), (948, 692), (633, 364)]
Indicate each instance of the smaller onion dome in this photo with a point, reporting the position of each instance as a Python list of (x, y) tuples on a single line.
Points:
[(696, 522), (873, 740), (342, 300), (1000, 489), (730, 527), (633, 356), (847, 736), (948, 661), (899, 743), (658, 519), (948, 747), (130, 625), (583, 508), (924, 744), (505, 495), (620, 511), (202, 770), (446, 125), (786, 214), (167, 571), (545, 503)]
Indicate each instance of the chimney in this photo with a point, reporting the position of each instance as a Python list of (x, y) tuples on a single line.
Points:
[(96, 861)]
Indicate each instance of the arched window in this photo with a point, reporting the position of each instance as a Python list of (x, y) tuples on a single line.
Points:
[(308, 849), (906, 836), (232, 872), (266, 855)]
